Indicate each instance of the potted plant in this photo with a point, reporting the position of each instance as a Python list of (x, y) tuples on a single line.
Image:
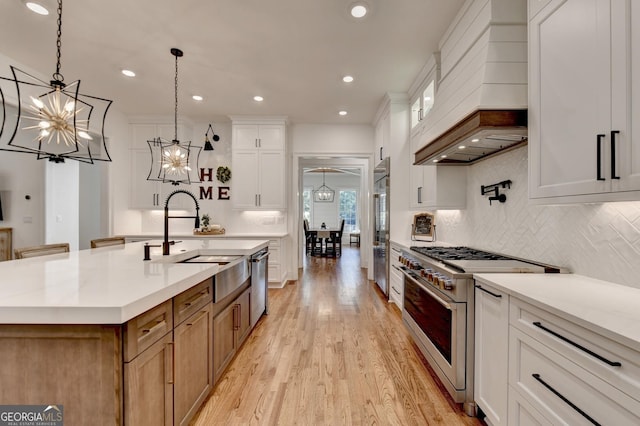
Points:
[(204, 222)]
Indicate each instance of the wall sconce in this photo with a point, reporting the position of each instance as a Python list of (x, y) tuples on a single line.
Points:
[(207, 142)]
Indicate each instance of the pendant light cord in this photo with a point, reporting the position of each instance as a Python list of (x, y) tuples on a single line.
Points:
[(175, 138), (57, 76)]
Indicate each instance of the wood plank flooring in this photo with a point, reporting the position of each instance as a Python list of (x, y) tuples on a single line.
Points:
[(330, 352)]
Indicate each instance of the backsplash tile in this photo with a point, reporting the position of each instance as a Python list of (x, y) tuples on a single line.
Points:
[(597, 240)]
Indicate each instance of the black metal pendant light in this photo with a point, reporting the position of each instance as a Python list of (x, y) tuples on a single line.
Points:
[(323, 194), (52, 120), (172, 161)]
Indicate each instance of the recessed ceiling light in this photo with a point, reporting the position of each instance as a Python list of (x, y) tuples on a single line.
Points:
[(475, 140), (435, 161), (342, 112), (36, 7), (461, 147), (358, 10), (129, 73), (443, 156), (258, 98), (197, 97), (347, 79)]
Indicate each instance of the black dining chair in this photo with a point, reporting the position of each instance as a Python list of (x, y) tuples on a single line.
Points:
[(335, 239), (308, 239)]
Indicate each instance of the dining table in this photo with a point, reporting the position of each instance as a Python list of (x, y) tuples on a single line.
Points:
[(322, 235)]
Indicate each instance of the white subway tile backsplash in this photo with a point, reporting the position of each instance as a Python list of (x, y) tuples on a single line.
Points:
[(597, 240)]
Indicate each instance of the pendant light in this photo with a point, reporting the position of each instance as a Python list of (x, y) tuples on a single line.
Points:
[(324, 194), (172, 161), (52, 120)]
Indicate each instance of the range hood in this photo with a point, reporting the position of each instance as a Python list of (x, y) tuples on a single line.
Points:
[(481, 99), (479, 135)]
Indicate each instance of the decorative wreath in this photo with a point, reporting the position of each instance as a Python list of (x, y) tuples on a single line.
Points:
[(223, 174)]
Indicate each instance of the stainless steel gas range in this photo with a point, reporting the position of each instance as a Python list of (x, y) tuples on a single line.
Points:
[(439, 308)]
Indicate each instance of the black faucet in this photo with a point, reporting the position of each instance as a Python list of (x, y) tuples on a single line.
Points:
[(167, 243)]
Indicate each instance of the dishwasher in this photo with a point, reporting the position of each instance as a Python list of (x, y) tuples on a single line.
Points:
[(259, 285)]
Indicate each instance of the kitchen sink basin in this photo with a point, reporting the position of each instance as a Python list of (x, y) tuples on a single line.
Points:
[(219, 259)]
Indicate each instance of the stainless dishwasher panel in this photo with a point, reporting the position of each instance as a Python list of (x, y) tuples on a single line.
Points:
[(228, 280), (259, 285)]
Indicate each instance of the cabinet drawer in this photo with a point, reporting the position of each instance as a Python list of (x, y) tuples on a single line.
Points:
[(561, 390), (587, 348), (189, 301), (275, 274), (274, 254), (274, 243), (144, 330), (521, 413)]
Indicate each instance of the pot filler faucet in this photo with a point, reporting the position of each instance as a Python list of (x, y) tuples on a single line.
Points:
[(167, 243)]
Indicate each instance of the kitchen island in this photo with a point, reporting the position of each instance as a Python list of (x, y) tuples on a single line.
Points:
[(118, 340)]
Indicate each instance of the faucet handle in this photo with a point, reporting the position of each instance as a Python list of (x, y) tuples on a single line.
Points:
[(147, 250)]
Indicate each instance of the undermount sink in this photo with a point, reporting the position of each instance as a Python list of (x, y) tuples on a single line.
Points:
[(219, 259)]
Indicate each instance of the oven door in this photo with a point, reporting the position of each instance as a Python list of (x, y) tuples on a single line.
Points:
[(439, 326)]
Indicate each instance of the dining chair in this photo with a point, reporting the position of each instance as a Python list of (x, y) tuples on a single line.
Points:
[(109, 241), (336, 240), (307, 238), (26, 252)]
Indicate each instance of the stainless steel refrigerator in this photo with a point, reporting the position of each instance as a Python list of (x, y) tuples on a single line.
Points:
[(381, 225)]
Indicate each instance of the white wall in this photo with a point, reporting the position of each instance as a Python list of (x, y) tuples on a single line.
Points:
[(327, 140), (597, 240)]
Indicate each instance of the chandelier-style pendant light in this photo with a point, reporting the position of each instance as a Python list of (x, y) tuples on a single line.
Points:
[(324, 194), (171, 161), (55, 123)]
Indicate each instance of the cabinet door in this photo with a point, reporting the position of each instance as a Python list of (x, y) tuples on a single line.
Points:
[(271, 136), (625, 81), (245, 179), (245, 136), (144, 194), (243, 319), (148, 385), (491, 352), (271, 180), (570, 98), (417, 186), (224, 339), (193, 364)]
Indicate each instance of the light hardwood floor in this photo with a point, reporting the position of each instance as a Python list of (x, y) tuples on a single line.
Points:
[(330, 352)]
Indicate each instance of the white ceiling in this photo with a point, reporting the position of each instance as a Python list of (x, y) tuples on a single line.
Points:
[(292, 52)]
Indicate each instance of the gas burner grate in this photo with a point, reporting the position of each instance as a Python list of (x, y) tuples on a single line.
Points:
[(457, 253)]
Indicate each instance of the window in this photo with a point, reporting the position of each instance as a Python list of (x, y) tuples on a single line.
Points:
[(306, 204), (348, 209)]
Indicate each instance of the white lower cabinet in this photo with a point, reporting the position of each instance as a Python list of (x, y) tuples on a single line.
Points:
[(535, 367), (396, 279), (491, 352), (522, 413)]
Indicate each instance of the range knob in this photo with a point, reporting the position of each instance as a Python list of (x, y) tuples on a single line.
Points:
[(448, 284)]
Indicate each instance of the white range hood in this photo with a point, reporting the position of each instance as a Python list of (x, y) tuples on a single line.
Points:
[(481, 100)]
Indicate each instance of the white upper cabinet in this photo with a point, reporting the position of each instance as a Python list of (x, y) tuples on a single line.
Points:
[(258, 165), (264, 136), (581, 91)]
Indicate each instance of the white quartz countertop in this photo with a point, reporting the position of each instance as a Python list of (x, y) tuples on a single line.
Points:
[(230, 235), (610, 309), (107, 285)]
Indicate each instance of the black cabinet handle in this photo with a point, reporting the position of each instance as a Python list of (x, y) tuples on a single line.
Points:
[(599, 156), (489, 292), (380, 153), (574, 344), (419, 195), (613, 154), (562, 397)]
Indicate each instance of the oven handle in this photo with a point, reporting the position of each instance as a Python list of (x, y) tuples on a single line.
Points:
[(431, 293)]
